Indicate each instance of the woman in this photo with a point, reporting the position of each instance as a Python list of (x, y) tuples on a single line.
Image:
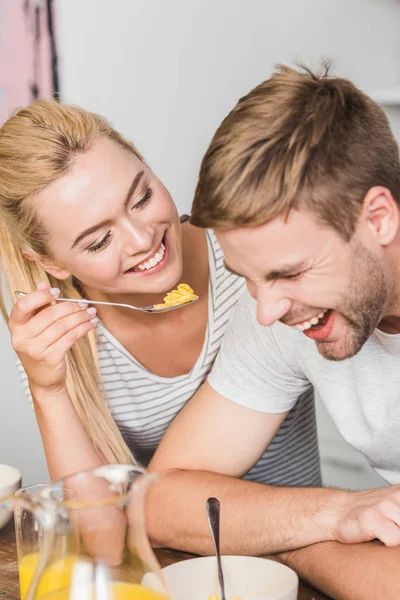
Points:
[(83, 216)]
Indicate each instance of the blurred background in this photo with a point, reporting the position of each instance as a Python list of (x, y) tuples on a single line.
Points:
[(166, 72)]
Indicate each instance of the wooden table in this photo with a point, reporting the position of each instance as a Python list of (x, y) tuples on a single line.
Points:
[(9, 586)]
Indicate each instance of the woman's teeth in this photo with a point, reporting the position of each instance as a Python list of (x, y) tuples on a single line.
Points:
[(311, 322), (152, 262)]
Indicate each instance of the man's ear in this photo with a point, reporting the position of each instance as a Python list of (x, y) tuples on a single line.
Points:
[(50, 267), (381, 213)]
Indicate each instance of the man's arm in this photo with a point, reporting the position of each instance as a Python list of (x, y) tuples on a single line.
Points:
[(355, 572), (219, 441), (210, 445)]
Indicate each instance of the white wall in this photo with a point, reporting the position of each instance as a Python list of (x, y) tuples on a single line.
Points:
[(20, 443), (166, 72)]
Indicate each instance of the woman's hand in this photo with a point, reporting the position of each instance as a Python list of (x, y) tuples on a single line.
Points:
[(42, 333)]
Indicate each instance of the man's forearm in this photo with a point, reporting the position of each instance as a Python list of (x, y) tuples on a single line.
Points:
[(255, 518), (367, 571)]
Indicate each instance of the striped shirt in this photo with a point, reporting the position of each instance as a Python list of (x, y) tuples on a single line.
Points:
[(144, 404)]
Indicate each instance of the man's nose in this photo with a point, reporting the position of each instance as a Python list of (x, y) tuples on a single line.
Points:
[(270, 306), (251, 286)]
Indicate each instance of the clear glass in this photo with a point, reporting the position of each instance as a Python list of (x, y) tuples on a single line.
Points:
[(91, 542), (30, 533)]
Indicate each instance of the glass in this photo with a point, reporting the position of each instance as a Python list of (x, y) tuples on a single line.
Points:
[(91, 541), (30, 534)]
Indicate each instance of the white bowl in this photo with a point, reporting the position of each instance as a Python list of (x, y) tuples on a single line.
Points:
[(245, 577), (10, 482)]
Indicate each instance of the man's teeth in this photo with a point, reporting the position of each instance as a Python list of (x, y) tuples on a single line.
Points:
[(311, 322), (152, 262)]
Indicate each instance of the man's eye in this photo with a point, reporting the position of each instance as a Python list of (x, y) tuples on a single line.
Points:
[(144, 200), (293, 275), (101, 244)]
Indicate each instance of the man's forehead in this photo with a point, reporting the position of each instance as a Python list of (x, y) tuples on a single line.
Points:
[(248, 239), (298, 228)]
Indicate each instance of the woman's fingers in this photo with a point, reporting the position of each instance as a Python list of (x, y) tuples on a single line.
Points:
[(55, 353), (42, 332), (48, 316), (67, 326), (28, 305)]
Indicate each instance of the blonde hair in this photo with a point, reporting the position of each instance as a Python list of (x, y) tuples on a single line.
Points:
[(38, 145), (297, 140)]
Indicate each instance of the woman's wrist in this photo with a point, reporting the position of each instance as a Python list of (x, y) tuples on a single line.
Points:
[(45, 396)]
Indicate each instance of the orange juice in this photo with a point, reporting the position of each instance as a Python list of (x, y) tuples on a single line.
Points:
[(56, 580), (120, 591), (57, 576)]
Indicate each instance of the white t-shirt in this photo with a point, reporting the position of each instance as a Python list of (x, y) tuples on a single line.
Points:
[(269, 368)]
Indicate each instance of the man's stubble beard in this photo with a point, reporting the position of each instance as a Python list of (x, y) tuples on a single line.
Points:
[(363, 305)]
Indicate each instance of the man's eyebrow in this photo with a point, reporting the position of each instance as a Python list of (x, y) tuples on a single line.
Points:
[(228, 268), (91, 230)]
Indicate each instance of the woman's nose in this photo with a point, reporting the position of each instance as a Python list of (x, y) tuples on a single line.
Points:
[(138, 240)]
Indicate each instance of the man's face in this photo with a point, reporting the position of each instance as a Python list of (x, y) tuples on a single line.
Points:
[(306, 276)]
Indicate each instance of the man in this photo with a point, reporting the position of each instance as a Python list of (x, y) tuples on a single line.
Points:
[(301, 184)]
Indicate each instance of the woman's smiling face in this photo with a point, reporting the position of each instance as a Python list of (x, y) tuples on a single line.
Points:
[(112, 224)]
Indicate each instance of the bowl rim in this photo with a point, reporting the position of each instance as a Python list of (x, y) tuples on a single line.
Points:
[(293, 584), (12, 471)]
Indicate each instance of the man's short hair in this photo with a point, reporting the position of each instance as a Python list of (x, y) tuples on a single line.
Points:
[(298, 140)]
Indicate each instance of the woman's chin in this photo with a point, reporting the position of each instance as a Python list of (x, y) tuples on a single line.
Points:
[(158, 283)]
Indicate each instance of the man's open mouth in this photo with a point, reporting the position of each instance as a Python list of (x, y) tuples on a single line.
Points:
[(317, 322)]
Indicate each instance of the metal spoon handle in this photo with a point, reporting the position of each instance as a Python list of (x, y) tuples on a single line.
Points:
[(213, 514), (147, 309)]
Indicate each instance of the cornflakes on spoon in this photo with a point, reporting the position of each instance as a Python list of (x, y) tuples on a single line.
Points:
[(181, 295)]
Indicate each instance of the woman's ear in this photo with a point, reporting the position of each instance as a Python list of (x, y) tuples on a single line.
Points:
[(56, 271), (50, 267), (28, 255)]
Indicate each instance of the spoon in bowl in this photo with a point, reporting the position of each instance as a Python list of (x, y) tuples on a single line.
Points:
[(213, 514)]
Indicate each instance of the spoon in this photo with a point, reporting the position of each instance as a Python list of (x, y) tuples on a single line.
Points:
[(213, 512), (149, 309)]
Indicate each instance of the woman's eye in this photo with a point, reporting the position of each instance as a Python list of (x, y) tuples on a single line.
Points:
[(101, 244), (144, 200)]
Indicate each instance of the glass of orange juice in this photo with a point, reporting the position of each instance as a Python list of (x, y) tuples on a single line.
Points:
[(85, 538), (116, 591), (29, 535)]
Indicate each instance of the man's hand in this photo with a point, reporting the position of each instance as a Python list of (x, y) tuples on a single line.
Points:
[(374, 514)]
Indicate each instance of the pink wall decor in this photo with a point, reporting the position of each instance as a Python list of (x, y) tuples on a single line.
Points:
[(28, 59)]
